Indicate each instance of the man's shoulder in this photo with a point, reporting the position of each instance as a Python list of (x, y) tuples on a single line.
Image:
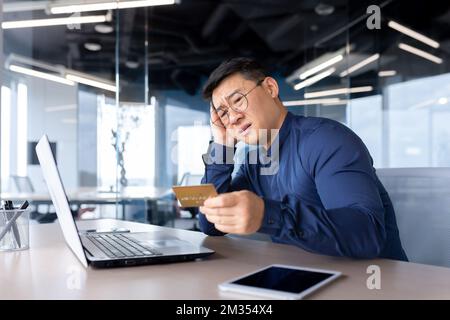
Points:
[(306, 126)]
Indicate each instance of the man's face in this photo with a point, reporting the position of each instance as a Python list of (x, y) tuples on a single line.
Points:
[(261, 111)]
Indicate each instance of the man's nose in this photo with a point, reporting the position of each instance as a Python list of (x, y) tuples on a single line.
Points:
[(234, 116)]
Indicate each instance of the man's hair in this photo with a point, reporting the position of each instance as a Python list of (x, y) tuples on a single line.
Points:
[(248, 68)]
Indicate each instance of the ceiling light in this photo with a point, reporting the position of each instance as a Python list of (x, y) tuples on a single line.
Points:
[(91, 82), (413, 34), (387, 73), (92, 46), (359, 65), (63, 7), (306, 102), (321, 66), (323, 9), (333, 92), (314, 79), (132, 64), (53, 22), (420, 53), (61, 108), (103, 28), (39, 74)]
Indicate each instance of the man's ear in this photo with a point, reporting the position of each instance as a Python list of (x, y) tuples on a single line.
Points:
[(272, 86)]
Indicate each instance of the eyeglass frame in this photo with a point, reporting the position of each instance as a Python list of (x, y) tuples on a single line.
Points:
[(238, 111)]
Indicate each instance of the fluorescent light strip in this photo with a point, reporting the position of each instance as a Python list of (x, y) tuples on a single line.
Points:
[(61, 108), (109, 5), (340, 102), (314, 79), (387, 73), (359, 65), (306, 102), (333, 92), (41, 75), (53, 22), (413, 34), (420, 53), (90, 82), (321, 66)]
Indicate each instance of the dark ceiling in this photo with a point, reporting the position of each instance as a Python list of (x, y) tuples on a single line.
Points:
[(186, 41)]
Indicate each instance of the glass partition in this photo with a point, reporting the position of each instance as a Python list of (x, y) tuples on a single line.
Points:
[(120, 96)]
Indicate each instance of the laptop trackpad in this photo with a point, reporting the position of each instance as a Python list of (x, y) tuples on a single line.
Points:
[(158, 240)]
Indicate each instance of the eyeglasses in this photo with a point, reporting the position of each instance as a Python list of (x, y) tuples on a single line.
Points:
[(238, 102)]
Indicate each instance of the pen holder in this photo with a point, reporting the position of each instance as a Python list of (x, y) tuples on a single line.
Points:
[(14, 230)]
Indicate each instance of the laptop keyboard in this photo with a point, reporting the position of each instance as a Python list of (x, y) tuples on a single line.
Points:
[(120, 246)]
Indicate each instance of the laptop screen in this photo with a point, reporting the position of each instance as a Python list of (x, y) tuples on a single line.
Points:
[(59, 198)]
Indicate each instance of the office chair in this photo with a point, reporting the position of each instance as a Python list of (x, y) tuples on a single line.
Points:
[(421, 199)]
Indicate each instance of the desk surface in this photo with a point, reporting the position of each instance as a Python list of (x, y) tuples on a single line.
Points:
[(50, 271)]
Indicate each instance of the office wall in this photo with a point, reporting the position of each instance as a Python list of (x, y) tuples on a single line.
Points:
[(52, 109), (87, 139)]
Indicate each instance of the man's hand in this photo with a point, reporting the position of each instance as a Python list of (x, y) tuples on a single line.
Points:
[(239, 212)]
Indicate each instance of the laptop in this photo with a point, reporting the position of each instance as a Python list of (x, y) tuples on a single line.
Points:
[(110, 249)]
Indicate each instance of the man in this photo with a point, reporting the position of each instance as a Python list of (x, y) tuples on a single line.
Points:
[(324, 197)]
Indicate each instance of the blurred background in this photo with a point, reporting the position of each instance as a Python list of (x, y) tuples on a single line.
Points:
[(117, 88)]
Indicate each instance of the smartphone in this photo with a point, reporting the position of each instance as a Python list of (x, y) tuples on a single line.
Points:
[(281, 282)]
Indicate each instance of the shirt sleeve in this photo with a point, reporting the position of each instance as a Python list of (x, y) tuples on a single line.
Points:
[(219, 166), (350, 221)]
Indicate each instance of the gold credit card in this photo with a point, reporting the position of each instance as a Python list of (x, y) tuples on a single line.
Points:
[(194, 196)]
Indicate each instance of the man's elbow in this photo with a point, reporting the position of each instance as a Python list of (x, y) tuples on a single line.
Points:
[(371, 247)]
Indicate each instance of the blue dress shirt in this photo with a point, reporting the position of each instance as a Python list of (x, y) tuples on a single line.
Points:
[(325, 196)]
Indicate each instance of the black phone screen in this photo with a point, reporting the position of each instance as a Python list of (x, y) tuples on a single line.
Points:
[(284, 279)]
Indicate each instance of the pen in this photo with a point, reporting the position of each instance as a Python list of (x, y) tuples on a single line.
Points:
[(12, 221), (9, 206)]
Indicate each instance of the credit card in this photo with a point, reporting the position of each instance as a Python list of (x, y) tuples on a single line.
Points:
[(194, 196)]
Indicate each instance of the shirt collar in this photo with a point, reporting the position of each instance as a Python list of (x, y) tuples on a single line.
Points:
[(285, 128), (283, 132)]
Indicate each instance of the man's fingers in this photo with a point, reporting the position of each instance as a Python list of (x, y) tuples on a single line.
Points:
[(222, 220), (221, 201), (216, 211)]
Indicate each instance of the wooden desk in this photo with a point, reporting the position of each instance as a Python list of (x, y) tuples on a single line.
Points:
[(49, 270)]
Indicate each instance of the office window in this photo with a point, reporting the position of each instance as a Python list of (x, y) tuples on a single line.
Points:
[(135, 124), (417, 125), (365, 118), (106, 154)]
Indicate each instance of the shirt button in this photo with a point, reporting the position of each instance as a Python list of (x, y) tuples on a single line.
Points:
[(271, 221)]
